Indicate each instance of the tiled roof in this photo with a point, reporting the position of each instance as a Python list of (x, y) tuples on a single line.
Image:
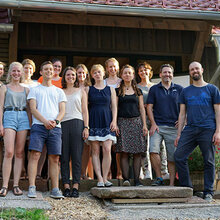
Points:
[(216, 30), (204, 5), (4, 16)]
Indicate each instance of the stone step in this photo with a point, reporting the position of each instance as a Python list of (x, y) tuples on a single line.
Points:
[(144, 192)]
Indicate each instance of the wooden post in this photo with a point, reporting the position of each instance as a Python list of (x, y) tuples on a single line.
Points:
[(13, 43)]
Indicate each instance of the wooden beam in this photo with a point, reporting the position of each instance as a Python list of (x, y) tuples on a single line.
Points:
[(109, 20), (201, 39), (156, 200), (13, 44)]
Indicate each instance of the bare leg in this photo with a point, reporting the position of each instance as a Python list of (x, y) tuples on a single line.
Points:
[(156, 163), (96, 160), (172, 171), (118, 163), (54, 170), (19, 152), (1, 154), (76, 185), (106, 162), (42, 160), (9, 141), (32, 166)]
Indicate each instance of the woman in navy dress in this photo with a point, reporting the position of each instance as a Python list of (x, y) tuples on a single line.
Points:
[(102, 122)]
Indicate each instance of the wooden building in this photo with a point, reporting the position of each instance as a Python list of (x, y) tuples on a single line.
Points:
[(90, 31)]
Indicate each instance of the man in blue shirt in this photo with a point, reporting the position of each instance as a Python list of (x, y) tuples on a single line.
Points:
[(201, 103), (163, 111)]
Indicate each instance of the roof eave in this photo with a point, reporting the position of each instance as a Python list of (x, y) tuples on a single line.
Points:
[(46, 5)]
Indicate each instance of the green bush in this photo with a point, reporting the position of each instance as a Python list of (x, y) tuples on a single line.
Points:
[(196, 163), (21, 213)]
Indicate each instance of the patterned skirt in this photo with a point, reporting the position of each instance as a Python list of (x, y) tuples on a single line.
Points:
[(131, 139)]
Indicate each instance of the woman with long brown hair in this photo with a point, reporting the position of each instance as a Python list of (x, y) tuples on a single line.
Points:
[(131, 124)]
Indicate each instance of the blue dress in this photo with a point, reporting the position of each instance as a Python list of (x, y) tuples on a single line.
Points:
[(100, 114)]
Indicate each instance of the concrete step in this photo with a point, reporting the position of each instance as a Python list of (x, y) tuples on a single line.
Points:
[(144, 192)]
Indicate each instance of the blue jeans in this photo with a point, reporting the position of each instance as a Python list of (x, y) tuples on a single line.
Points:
[(190, 138)]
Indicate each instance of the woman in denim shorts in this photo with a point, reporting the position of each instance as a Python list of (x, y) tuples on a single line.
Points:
[(14, 125)]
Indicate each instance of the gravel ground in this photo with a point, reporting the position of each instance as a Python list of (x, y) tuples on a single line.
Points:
[(88, 207), (84, 207)]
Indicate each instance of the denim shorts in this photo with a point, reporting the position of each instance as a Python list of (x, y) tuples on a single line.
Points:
[(16, 120), (168, 134), (40, 136)]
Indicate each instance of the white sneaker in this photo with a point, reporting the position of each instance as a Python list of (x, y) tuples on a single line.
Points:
[(166, 176), (147, 175)]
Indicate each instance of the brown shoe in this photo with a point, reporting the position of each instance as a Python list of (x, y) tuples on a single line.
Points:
[(17, 191)]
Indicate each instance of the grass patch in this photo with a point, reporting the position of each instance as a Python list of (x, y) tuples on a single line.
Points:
[(21, 213)]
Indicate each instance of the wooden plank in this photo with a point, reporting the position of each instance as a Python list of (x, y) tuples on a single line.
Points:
[(201, 38), (157, 200), (13, 44), (110, 21), (4, 36)]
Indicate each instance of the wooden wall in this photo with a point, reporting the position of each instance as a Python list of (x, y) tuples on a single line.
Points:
[(43, 36), (4, 50)]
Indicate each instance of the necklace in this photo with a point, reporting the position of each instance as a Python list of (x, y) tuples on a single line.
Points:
[(127, 87)]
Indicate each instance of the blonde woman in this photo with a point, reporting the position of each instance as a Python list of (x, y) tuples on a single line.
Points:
[(83, 79), (102, 123), (14, 125)]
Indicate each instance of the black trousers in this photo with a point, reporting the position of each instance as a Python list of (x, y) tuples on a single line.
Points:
[(72, 147)]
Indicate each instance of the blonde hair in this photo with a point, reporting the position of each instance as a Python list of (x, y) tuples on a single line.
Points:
[(30, 62), (96, 67), (11, 66), (111, 60)]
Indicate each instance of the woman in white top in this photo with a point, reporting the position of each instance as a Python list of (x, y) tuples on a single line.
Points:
[(29, 69), (74, 130), (112, 73), (83, 78)]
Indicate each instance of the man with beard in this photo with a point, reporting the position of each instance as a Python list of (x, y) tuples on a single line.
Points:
[(201, 103), (163, 111)]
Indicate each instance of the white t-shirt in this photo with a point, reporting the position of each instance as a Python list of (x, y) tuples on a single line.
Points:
[(31, 85), (48, 99)]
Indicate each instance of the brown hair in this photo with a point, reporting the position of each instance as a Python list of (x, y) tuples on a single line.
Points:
[(44, 64), (121, 90), (87, 81), (145, 65), (30, 62), (63, 81), (166, 65)]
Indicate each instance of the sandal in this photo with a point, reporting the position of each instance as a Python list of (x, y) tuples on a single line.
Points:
[(3, 191), (16, 191)]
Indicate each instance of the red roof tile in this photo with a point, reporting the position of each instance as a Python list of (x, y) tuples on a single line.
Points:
[(204, 5)]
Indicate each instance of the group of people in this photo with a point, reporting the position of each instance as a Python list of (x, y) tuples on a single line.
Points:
[(100, 109)]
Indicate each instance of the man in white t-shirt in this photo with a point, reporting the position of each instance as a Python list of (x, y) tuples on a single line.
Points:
[(47, 104)]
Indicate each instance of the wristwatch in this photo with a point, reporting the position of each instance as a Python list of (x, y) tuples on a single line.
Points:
[(86, 127), (57, 122)]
